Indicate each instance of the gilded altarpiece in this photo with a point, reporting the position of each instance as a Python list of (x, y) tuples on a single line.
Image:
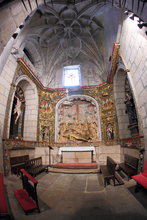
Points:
[(47, 103), (48, 99), (103, 94)]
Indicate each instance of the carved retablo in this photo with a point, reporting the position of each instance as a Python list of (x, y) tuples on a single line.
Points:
[(78, 120)]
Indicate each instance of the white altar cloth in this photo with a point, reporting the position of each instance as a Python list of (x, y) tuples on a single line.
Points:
[(74, 149)]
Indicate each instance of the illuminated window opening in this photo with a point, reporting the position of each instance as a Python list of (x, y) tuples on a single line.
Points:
[(71, 76)]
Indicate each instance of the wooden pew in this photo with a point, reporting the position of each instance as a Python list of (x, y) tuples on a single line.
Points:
[(27, 197), (108, 171), (34, 166), (130, 165), (4, 209), (18, 163)]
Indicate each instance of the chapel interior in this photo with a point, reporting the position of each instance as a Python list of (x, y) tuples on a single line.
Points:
[(73, 100)]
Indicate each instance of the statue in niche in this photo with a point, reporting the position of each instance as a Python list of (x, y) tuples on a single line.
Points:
[(17, 109), (45, 133), (110, 132), (17, 114), (130, 108)]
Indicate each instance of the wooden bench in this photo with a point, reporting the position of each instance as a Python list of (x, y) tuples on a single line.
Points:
[(27, 197), (130, 165), (4, 210), (18, 163), (141, 178), (108, 171), (34, 166)]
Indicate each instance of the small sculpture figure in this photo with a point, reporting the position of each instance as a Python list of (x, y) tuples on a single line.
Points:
[(17, 109), (130, 108), (93, 131), (45, 133), (110, 132)]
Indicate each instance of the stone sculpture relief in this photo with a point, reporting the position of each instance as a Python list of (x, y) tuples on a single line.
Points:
[(78, 132), (78, 121)]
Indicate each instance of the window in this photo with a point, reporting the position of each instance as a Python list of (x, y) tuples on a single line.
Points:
[(71, 75)]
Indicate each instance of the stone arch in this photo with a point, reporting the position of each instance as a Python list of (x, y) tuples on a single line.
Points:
[(70, 99), (119, 95), (37, 64), (31, 108)]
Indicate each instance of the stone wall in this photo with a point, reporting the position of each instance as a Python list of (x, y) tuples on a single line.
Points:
[(6, 78), (31, 111), (89, 75), (119, 94), (100, 157), (7, 90), (133, 52), (115, 152), (11, 16)]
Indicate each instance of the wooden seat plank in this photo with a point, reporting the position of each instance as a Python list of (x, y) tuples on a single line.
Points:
[(27, 197), (26, 202)]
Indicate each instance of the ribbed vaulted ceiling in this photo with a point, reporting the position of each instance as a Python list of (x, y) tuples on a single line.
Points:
[(69, 34)]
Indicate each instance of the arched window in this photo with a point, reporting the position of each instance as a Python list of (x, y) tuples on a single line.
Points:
[(71, 76), (17, 115)]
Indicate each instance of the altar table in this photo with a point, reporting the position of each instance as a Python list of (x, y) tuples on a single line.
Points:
[(77, 149)]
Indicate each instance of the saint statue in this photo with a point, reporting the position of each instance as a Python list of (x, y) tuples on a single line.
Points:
[(17, 109), (130, 108), (110, 132)]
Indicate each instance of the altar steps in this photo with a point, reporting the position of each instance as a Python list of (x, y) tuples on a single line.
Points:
[(73, 171), (76, 165), (74, 168)]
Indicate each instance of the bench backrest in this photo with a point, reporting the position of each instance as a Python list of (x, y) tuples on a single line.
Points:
[(111, 165), (131, 161), (35, 162), (18, 159)]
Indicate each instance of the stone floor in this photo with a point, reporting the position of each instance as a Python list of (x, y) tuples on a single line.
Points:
[(80, 197)]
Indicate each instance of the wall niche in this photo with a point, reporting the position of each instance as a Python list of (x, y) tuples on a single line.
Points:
[(77, 120)]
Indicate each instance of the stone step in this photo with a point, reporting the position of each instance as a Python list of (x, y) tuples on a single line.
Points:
[(72, 171), (76, 165)]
